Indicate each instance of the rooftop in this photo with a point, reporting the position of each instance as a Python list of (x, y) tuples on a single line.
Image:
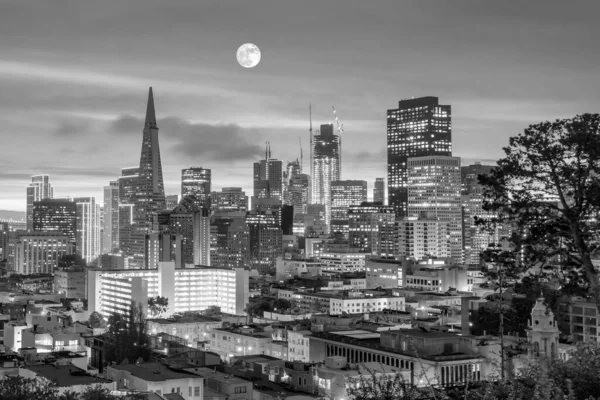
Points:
[(218, 376), (185, 319), (152, 372), (66, 375)]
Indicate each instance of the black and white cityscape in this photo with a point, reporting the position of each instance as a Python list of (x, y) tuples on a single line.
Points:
[(272, 200)]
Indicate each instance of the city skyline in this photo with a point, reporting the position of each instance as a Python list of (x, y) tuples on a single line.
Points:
[(85, 126)]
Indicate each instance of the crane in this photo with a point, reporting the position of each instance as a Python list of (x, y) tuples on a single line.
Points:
[(340, 128)]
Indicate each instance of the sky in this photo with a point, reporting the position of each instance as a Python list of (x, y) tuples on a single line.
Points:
[(74, 78)]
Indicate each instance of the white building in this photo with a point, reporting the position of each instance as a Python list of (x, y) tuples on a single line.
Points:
[(88, 228), (299, 345), (289, 269), (342, 262), (188, 289), (434, 184), (37, 252), (383, 273)]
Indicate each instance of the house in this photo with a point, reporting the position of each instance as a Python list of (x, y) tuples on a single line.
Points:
[(67, 377), (158, 378)]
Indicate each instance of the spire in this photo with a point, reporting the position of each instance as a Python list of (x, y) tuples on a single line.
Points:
[(150, 113)]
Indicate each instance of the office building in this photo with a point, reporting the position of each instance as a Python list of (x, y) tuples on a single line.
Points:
[(434, 193), (150, 193), (4, 235), (162, 246), (230, 242), (268, 178), (127, 183), (110, 221), (475, 238), (56, 215), (418, 127), (299, 193), (196, 181), (88, 228), (292, 169), (229, 199), (420, 238), (181, 222), (265, 240), (325, 166), (201, 237), (343, 195), (188, 289), (37, 252), (379, 191), (365, 221), (39, 189), (171, 201)]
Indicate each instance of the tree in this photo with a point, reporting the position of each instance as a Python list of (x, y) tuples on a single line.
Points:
[(157, 305), (126, 337), (282, 305), (548, 187), (97, 320), (18, 388)]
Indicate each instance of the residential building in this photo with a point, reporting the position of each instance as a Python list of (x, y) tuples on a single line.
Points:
[(239, 341), (188, 289), (299, 345), (418, 127), (88, 228), (335, 303), (110, 222), (580, 318), (158, 378), (39, 189), (201, 237), (195, 329), (37, 252), (420, 238)]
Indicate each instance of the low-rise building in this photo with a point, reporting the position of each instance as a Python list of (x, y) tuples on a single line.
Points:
[(68, 378), (194, 328), (336, 303), (220, 385), (299, 346), (239, 341), (581, 317), (158, 378), (342, 261), (383, 273), (70, 283)]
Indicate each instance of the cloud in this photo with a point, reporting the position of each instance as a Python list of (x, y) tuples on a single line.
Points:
[(217, 142)]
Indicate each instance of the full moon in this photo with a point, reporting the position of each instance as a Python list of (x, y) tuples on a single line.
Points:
[(248, 55)]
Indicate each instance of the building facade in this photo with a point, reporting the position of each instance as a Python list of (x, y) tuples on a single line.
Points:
[(325, 166), (110, 222), (364, 224), (39, 189), (229, 199), (196, 181), (343, 195), (56, 215), (37, 252), (418, 127), (88, 228), (379, 191)]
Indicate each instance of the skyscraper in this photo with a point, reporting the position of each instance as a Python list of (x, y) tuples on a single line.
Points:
[(150, 191), (268, 178), (196, 181), (39, 189), (299, 193), (418, 127), (343, 195), (434, 194), (291, 171), (127, 188), (379, 191), (325, 166), (56, 215), (110, 229), (171, 201), (230, 242), (202, 237), (266, 240), (88, 228)]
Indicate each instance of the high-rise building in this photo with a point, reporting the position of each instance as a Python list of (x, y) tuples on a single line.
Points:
[(475, 238), (299, 193), (196, 181), (110, 223), (171, 201), (37, 252), (266, 240), (39, 189), (229, 199), (88, 228), (181, 222), (201, 220), (418, 127), (420, 238), (163, 246), (291, 171), (127, 188), (4, 235), (365, 221), (343, 195), (230, 242), (268, 178), (434, 194), (325, 166), (150, 192), (56, 215), (379, 191)]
